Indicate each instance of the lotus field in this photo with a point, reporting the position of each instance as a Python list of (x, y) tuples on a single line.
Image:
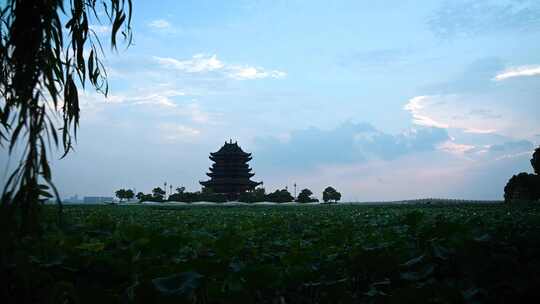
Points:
[(460, 253)]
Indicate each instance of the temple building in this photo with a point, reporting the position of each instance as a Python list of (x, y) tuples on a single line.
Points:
[(230, 174)]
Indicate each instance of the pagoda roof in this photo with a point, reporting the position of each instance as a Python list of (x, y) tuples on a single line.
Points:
[(230, 148), (245, 174), (230, 172), (230, 182)]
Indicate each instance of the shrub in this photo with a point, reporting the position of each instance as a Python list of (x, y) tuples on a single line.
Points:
[(522, 187), (331, 194), (280, 196), (305, 197)]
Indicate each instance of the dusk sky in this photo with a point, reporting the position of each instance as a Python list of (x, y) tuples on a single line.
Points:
[(384, 100)]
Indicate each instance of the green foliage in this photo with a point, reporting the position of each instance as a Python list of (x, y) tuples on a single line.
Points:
[(124, 194), (143, 197), (128, 194), (158, 194), (186, 197), (180, 190), (535, 161), (523, 187), (280, 196), (257, 195), (206, 195), (42, 62), (331, 194), (273, 254), (183, 285), (305, 197)]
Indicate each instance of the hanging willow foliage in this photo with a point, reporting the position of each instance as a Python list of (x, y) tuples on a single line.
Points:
[(42, 64)]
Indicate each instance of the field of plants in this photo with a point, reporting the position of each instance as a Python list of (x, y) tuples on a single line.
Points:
[(465, 253)]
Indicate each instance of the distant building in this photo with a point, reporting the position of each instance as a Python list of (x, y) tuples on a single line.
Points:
[(97, 199), (230, 174), (73, 199)]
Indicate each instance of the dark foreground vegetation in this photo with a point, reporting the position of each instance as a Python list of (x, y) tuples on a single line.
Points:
[(295, 254)]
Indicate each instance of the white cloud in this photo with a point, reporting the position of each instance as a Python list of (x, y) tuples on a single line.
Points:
[(455, 148), (474, 124), (159, 24), (161, 98), (247, 72), (520, 71), (160, 101), (514, 155), (171, 132), (479, 131), (115, 98), (202, 63), (199, 63), (455, 112), (416, 105)]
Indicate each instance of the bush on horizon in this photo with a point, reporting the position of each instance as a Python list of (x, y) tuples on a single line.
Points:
[(525, 187)]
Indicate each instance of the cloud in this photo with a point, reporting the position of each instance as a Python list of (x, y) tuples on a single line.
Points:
[(202, 63), (171, 132), (417, 175), (159, 24), (246, 72), (512, 149), (479, 131), (452, 111), (416, 105), (159, 98), (475, 78), (513, 146), (469, 18), (199, 63), (455, 148), (368, 164), (162, 98), (476, 104), (520, 71), (161, 101), (347, 143), (484, 113)]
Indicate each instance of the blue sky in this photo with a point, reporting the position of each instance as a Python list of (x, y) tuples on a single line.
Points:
[(384, 100)]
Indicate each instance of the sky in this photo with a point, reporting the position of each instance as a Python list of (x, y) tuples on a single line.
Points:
[(384, 100)]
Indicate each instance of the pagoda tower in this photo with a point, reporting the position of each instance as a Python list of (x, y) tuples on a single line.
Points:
[(230, 174)]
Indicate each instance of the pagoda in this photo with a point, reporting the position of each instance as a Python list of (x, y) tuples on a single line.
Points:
[(230, 174)]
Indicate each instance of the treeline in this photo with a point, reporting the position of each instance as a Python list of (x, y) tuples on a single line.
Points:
[(329, 195)]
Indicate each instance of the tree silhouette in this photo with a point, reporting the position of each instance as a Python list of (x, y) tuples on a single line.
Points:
[(535, 161), (305, 196), (121, 194), (140, 196), (525, 187), (129, 194), (280, 196), (256, 195), (42, 61), (331, 194), (158, 194), (180, 190)]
